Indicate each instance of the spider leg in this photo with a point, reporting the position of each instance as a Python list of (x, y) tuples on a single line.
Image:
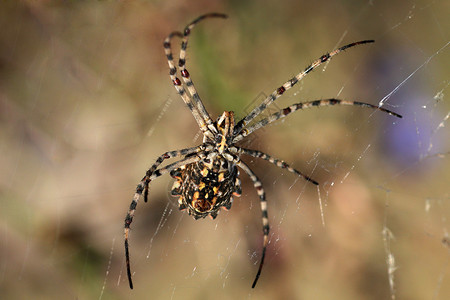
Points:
[(170, 154), (299, 106), (185, 74), (180, 89), (265, 219), (151, 174), (275, 161), (290, 83)]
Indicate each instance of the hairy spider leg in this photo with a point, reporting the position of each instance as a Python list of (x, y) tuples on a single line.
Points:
[(180, 89), (185, 74), (151, 174), (279, 163), (265, 219), (290, 83), (164, 156), (299, 106)]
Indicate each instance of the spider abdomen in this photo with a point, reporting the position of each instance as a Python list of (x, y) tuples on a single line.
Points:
[(206, 186)]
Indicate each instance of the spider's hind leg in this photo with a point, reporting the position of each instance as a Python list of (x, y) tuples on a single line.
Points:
[(265, 219), (142, 188)]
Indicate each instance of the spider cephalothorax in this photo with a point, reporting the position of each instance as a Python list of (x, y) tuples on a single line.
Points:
[(207, 176)]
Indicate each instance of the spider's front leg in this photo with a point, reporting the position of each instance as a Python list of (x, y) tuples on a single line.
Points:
[(290, 83), (191, 99), (305, 105)]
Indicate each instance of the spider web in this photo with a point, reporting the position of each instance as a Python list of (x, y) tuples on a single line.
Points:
[(86, 106)]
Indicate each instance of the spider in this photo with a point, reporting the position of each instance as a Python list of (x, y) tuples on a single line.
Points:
[(207, 176)]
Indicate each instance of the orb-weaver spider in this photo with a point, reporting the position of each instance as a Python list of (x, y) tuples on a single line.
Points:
[(207, 176)]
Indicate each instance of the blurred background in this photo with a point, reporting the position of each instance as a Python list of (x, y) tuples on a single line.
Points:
[(86, 106)]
